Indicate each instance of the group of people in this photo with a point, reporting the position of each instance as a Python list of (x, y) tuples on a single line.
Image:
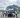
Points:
[(9, 13)]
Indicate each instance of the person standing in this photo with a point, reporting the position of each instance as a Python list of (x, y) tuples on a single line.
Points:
[(5, 13), (16, 13), (13, 13)]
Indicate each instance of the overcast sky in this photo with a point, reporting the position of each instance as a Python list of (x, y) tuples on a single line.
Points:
[(5, 3)]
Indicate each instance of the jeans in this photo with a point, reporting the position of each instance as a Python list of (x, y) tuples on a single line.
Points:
[(5, 15), (16, 15)]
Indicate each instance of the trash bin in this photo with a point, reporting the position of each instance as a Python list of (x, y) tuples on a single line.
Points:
[(9, 15)]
